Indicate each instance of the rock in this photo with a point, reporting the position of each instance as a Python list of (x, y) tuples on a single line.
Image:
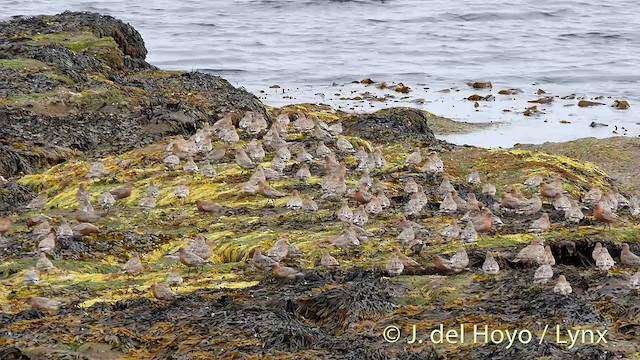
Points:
[(118, 102), (621, 104), (586, 103), (390, 125)]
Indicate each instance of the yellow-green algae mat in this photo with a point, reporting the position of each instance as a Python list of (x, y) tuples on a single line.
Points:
[(90, 279)]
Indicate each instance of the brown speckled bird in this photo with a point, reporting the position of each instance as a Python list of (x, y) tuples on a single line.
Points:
[(490, 265), (328, 261), (604, 214), (627, 258), (133, 266), (604, 261), (543, 274), (162, 292), (458, 262), (48, 244), (285, 273), (30, 277), (174, 279), (44, 265), (394, 266), (414, 159), (42, 303), (38, 203), (85, 229), (5, 225), (261, 261), (122, 192), (268, 192), (562, 286), (541, 224), (190, 259), (209, 206), (280, 248), (634, 281), (532, 253)]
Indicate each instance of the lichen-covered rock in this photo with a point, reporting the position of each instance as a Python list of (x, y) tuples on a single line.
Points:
[(79, 81)]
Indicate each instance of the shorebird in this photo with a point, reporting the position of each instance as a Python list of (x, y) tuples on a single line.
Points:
[(329, 261), (605, 215), (458, 262), (469, 233), (285, 273), (261, 261), (543, 274), (414, 158), (255, 151), (604, 261), (280, 248), (122, 192), (190, 259), (152, 190), (162, 292), (190, 166), (295, 201), (378, 159), (561, 203), (133, 266), (96, 170), (634, 281), (38, 203), (541, 224), (48, 244), (452, 231), (532, 253), (85, 229), (147, 203), (201, 246), (345, 213), (593, 196), (394, 266), (44, 265), (42, 303), (627, 258), (562, 286), (347, 239), (30, 277), (174, 279), (548, 258), (207, 170), (42, 228), (106, 200), (447, 205), (268, 192), (473, 178), (490, 265), (489, 189), (5, 225), (181, 191), (171, 161)]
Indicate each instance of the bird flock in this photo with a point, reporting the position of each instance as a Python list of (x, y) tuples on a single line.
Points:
[(354, 185)]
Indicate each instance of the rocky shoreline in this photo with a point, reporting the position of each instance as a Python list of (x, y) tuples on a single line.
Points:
[(76, 90)]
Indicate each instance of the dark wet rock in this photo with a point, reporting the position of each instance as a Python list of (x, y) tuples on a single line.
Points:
[(336, 308), (79, 82), (13, 353), (12, 194), (391, 125)]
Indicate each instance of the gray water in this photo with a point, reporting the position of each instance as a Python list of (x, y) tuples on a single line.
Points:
[(315, 48)]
